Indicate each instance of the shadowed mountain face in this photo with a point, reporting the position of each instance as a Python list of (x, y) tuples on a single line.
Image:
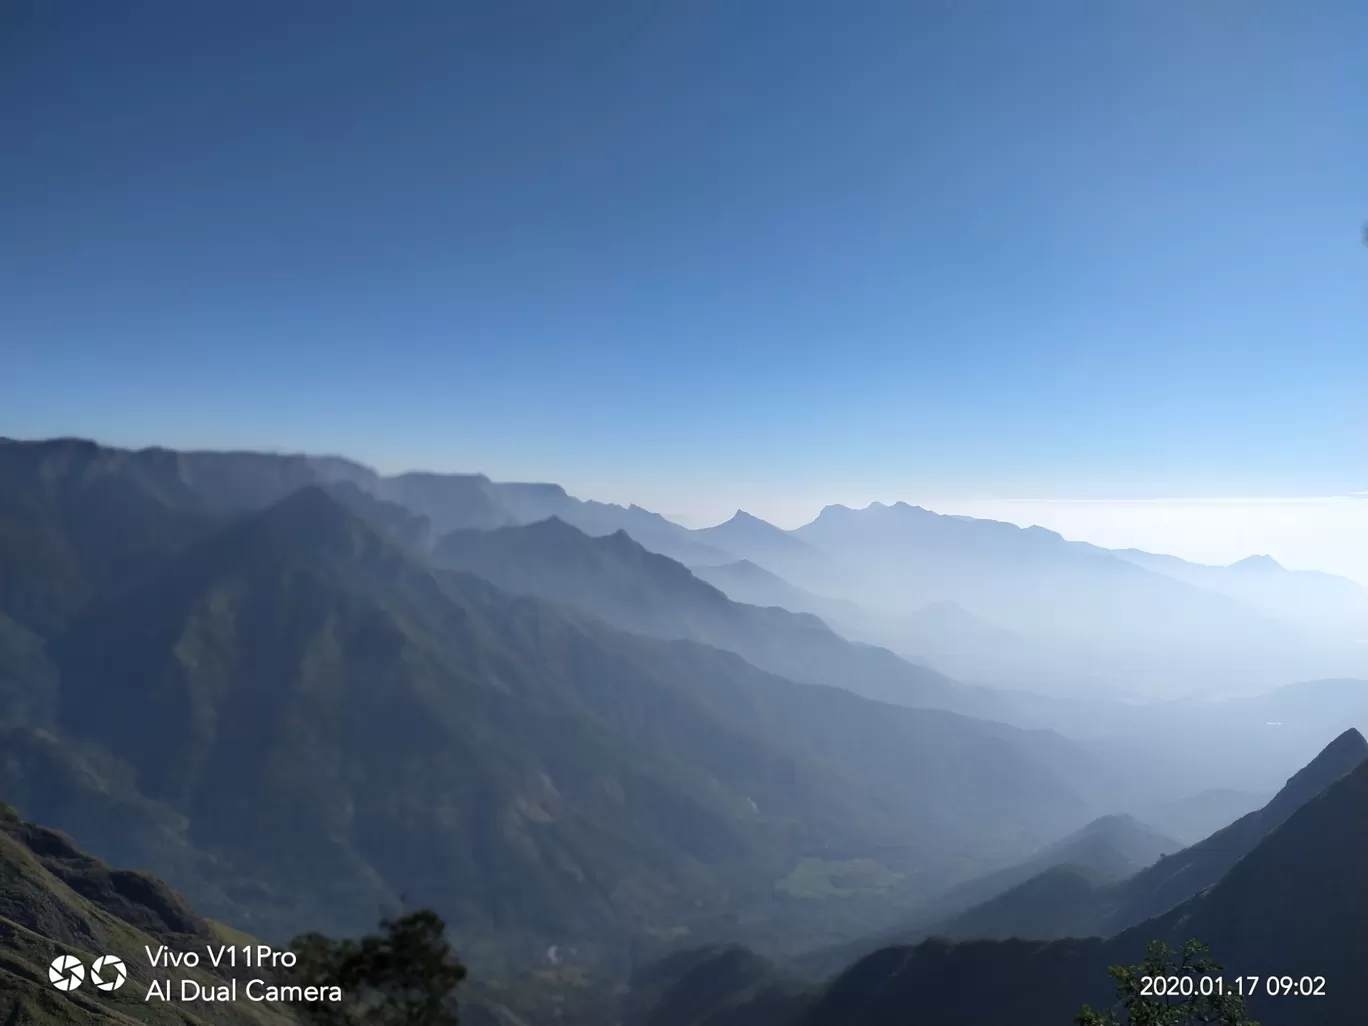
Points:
[(1313, 867), (296, 724), (719, 985), (1291, 906)]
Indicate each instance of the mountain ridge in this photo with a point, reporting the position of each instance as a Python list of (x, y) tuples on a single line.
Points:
[(619, 581)]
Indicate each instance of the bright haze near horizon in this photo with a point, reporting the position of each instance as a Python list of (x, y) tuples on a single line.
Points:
[(1090, 266)]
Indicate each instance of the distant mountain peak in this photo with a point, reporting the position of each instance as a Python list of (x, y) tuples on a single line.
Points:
[(749, 521), (1349, 744), (745, 530), (1259, 564), (305, 504), (310, 523), (900, 508), (549, 525), (746, 566)]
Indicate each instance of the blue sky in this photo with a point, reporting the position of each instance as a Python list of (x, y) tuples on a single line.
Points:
[(708, 255)]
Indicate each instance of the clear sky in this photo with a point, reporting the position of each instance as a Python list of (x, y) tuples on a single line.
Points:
[(702, 255)]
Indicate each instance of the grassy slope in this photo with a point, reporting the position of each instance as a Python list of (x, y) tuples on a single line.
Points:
[(42, 916)]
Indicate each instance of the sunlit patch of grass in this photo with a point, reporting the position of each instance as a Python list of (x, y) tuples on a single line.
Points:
[(819, 878)]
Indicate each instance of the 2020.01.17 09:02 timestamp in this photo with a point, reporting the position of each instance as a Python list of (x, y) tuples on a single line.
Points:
[(1242, 986)]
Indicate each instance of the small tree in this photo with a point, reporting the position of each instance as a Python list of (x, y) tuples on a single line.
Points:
[(405, 976), (1139, 1006)]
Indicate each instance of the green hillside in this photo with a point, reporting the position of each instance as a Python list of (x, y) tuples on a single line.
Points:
[(56, 900)]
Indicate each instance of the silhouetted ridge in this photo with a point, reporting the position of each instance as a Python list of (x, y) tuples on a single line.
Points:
[(1339, 757), (689, 987), (1174, 879)]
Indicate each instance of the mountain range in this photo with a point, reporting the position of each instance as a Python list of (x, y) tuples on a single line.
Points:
[(306, 694), (1320, 603), (299, 723), (618, 581), (1083, 618), (1085, 611)]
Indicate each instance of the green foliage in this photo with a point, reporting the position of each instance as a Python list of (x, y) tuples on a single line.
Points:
[(1140, 1008), (405, 976)]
